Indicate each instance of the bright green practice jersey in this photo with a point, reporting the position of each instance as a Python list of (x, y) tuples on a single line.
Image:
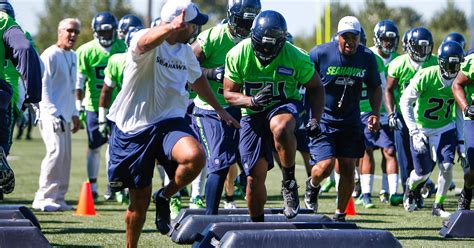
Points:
[(434, 107), (290, 67), (401, 68), (114, 71), (382, 69), (215, 43), (92, 60), (6, 22), (467, 69)]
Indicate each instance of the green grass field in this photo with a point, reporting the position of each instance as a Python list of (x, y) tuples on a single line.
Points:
[(107, 229)]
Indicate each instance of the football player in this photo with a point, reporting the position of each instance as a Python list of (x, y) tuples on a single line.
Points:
[(127, 23)]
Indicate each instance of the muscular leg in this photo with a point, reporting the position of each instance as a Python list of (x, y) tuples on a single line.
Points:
[(322, 170), (391, 169), (345, 168), (256, 190), (282, 127), (136, 214)]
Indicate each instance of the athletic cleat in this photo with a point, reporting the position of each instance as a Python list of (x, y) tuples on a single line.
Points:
[(196, 203), (230, 205), (395, 199), (438, 210), (366, 201), (328, 185), (291, 202), (464, 200), (428, 189), (175, 206), (357, 189), (311, 196), (338, 217), (409, 200), (7, 176), (383, 196), (109, 195), (162, 213)]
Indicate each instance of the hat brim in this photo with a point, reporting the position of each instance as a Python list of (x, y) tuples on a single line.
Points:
[(355, 32), (200, 19)]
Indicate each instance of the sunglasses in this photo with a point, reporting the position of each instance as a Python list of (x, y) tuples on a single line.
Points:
[(72, 30)]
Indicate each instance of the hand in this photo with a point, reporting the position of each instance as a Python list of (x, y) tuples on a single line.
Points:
[(262, 98), (312, 128), (373, 123), (76, 124), (179, 23), (82, 118), (394, 122), (58, 124), (217, 74), (227, 118), (34, 110), (420, 141), (104, 129), (469, 112)]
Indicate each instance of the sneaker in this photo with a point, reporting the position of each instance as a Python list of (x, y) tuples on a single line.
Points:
[(428, 189), (383, 196), (367, 201), (359, 200), (357, 189), (328, 185), (175, 207), (395, 199), (409, 200), (311, 196), (291, 201), (109, 195), (122, 197), (438, 210), (50, 207), (196, 203), (338, 217), (464, 201), (230, 205), (162, 214)]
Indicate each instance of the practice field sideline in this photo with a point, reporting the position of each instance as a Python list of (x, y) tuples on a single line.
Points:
[(107, 229)]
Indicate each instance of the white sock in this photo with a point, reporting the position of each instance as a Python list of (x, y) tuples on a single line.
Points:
[(93, 162), (415, 179), (392, 183), (197, 186), (445, 177), (337, 177), (385, 183), (356, 174), (366, 182)]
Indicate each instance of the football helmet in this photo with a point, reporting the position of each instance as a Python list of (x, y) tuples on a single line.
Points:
[(459, 38), (7, 8), (289, 38), (240, 15), (104, 25), (405, 40), (420, 44), (386, 36), (131, 33), (127, 23), (155, 22), (450, 57), (268, 35)]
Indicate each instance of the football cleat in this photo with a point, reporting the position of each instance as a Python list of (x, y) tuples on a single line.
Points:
[(383, 196), (196, 203), (409, 200), (291, 202), (339, 217), (230, 205), (367, 201), (464, 200), (311, 196), (162, 213), (7, 176), (438, 210), (175, 207), (357, 189), (395, 199), (328, 185)]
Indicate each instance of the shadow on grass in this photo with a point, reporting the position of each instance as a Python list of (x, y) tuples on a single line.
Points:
[(16, 202), (76, 246), (58, 222), (432, 238), (81, 230), (409, 228)]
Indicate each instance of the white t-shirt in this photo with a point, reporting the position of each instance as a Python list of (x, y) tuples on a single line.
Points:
[(154, 85), (59, 80)]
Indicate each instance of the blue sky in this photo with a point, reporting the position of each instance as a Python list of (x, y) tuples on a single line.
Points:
[(298, 13)]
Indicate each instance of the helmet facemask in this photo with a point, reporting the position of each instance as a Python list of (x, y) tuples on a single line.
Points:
[(239, 25), (420, 51), (449, 66), (387, 43), (106, 35), (268, 48)]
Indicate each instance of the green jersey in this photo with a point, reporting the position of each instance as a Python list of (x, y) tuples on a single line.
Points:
[(92, 60), (382, 67), (114, 72), (434, 106), (215, 43), (6, 22), (290, 67), (401, 68), (467, 69)]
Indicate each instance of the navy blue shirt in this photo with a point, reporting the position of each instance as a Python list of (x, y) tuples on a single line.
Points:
[(342, 77)]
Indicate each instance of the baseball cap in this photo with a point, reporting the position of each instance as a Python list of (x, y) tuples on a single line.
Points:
[(348, 24), (173, 8)]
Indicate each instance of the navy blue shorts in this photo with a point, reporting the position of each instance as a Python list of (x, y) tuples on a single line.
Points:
[(469, 142), (423, 163), (95, 139), (337, 141), (132, 156), (256, 139), (220, 140), (381, 139)]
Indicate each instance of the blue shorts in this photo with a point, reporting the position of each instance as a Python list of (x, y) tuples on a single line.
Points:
[(469, 142), (381, 139), (132, 156), (220, 140), (95, 139), (256, 139), (337, 141), (423, 163)]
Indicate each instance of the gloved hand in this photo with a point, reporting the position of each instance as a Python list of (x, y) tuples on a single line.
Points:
[(104, 129), (420, 141), (262, 98), (394, 122), (34, 111), (469, 112), (312, 128), (217, 74), (58, 124)]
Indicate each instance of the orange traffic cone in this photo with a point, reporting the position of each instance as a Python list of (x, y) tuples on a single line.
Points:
[(350, 209), (85, 206)]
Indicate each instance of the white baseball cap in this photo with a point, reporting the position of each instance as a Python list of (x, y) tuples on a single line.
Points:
[(173, 8), (348, 24)]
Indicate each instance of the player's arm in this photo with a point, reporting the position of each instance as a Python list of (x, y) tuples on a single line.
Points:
[(216, 74), (392, 84), (459, 83), (202, 88), (155, 36), (315, 92), (233, 95), (406, 106), (375, 99)]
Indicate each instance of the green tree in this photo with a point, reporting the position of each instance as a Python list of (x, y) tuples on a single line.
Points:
[(440, 26), (217, 10)]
